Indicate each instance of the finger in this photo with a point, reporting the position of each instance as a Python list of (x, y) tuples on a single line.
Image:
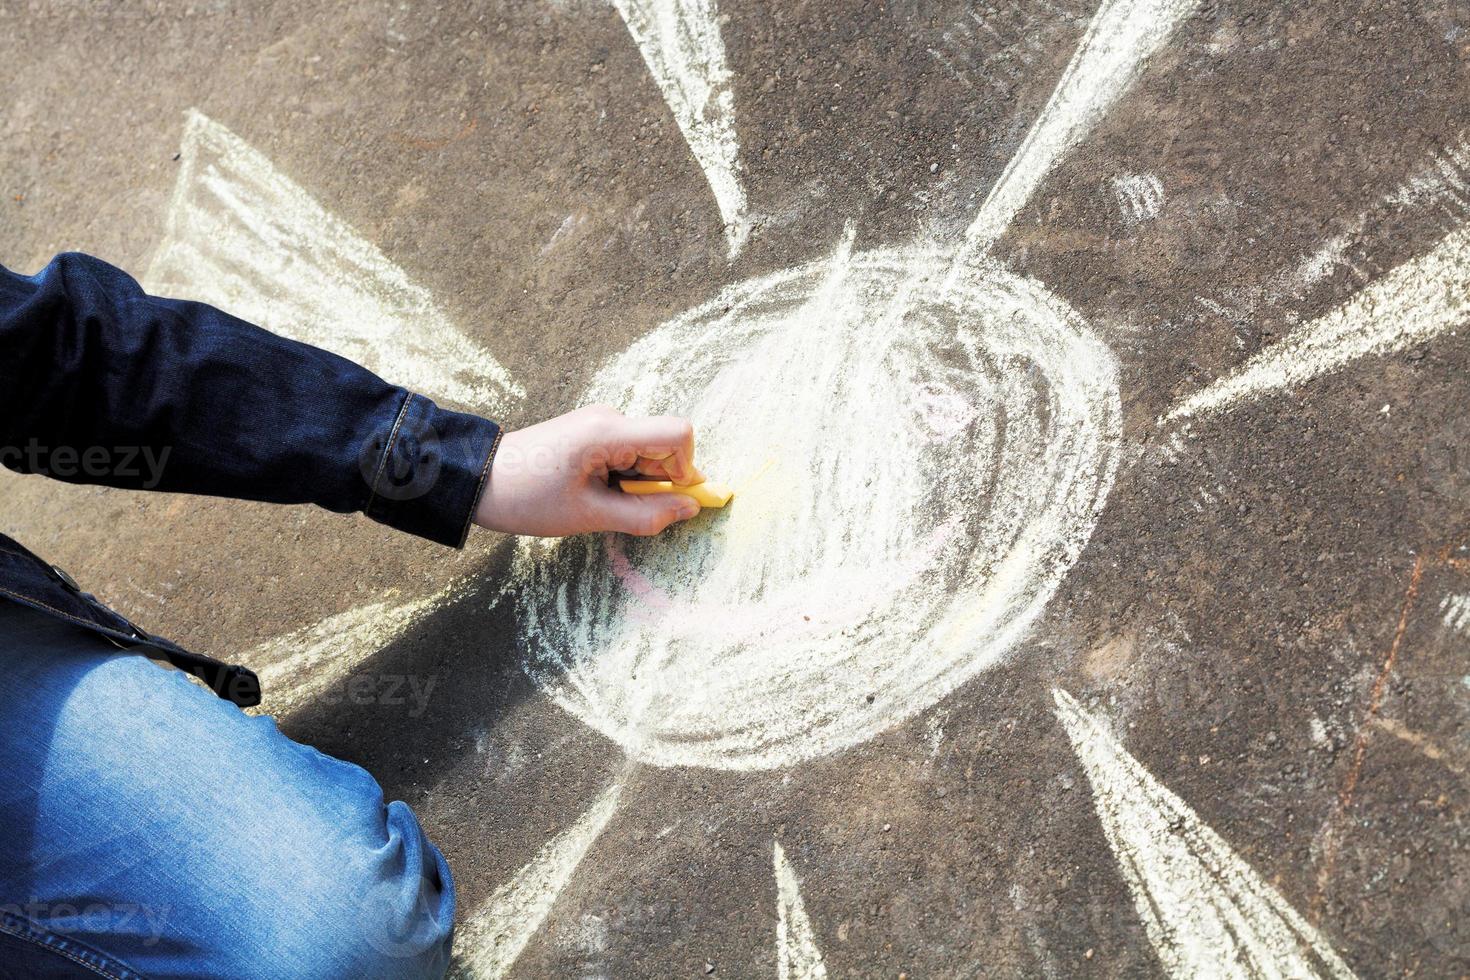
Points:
[(617, 511), (666, 439), (659, 469)]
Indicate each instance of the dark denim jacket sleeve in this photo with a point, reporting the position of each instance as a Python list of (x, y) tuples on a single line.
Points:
[(101, 383)]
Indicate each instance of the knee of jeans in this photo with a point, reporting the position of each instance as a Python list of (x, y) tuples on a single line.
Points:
[(394, 914), (360, 908)]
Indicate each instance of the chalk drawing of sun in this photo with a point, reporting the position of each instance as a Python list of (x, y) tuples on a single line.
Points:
[(921, 440), (877, 558)]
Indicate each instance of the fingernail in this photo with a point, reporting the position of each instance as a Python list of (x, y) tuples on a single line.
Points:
[(688, 510)]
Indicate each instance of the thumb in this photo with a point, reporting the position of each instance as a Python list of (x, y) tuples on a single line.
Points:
[(614, 510)]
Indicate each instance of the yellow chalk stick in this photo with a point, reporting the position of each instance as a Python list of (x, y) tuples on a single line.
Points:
[(708, 494)]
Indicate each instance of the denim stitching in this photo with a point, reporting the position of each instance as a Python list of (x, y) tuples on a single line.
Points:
[(52, 609), (388, 452), (29, 934), (480, 487)]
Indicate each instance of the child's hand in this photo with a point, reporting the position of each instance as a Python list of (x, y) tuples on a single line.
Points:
[(551, 479)]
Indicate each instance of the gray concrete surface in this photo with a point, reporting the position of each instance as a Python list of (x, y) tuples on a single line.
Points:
[(1259, 617)]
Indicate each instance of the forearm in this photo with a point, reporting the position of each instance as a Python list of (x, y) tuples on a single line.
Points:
[(89, 361)]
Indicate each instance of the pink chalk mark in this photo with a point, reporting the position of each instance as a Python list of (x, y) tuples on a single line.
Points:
[(655, 600)]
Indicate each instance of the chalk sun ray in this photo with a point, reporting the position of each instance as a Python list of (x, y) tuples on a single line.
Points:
[(1205, 911), (1119, 40), (301, 666), (1417, 301), (681, 44), (243, 236), (1456, 609), (487, 946), (797, 955)]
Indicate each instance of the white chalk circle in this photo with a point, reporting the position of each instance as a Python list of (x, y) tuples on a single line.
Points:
[(916, 469)]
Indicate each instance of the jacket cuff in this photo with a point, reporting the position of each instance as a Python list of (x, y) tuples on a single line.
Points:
[(431, 470)]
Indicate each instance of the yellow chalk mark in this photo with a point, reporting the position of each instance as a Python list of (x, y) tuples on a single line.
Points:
[(765, 468)]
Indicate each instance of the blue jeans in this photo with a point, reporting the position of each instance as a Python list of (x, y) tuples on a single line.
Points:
[(150, 829)]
